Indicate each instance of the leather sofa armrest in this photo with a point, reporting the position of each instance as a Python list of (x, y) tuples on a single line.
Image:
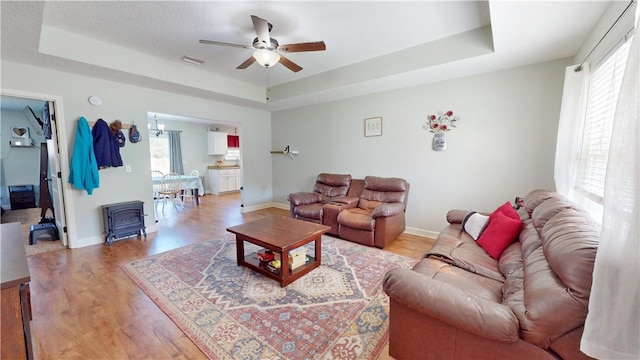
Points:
[(302, 198), (456, 216), (452, 305), (386, 210), (346, 200)]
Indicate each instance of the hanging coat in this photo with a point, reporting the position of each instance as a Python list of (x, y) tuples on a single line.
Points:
[(84, 168), (105, 146)]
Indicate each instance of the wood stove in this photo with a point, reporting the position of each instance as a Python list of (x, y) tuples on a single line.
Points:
[(123, 219)]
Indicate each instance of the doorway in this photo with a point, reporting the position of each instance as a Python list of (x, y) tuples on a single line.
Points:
[(195, 152), (30, 158)]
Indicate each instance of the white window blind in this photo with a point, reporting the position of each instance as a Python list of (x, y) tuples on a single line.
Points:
[(602, 97)]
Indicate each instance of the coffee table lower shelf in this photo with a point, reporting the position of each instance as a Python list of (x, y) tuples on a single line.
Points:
[(251, 261), (280, 235)]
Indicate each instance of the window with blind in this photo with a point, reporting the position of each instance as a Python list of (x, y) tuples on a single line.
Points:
[(602, 97)]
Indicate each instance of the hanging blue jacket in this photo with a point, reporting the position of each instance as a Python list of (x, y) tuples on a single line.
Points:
[(105, 145), (84, 168)]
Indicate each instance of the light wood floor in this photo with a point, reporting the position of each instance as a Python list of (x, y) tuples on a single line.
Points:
[(85, 307)]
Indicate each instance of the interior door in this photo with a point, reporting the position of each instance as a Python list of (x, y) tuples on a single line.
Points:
[(55, 181)]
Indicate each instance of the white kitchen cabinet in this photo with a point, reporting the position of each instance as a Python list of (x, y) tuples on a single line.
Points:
[(224, 180), (217, 143)]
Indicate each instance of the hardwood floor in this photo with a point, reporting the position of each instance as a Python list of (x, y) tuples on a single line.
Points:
[(85, 307)]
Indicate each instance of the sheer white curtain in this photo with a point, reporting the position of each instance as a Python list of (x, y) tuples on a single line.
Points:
[(570, 123), (612, 327)]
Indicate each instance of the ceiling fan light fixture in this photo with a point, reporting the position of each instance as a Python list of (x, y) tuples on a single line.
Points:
[(266, 58)]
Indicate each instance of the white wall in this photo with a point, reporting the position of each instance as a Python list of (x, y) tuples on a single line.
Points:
[(503, 147), (131, 103), (18, 165)]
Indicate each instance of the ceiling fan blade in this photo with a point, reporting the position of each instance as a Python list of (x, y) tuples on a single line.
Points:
[(262, 30), (211, 42), (246, 63), (290, 64), (308, 46)]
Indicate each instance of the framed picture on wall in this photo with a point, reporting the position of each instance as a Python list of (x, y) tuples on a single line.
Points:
[(373, 126)]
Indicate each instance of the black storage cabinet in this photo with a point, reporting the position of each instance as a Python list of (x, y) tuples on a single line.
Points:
[(22, 197)]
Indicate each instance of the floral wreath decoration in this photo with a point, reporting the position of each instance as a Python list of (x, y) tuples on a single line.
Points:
[(443, 122)]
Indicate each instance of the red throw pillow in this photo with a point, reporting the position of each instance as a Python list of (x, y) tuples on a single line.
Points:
[(499, 234), (508, 210)]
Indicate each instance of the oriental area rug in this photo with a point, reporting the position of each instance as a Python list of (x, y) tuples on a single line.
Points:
[(337, 311)]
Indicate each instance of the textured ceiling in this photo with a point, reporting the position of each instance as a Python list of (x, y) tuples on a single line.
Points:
[(372, 46)]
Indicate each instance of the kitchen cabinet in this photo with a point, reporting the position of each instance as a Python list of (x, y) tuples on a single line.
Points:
[(217, 143), (224, 180)]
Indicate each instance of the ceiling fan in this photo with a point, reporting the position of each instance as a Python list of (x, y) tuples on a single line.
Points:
[(267, 50)]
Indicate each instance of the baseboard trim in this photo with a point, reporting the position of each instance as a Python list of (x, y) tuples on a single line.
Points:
[(421, 232), (99, 239), (264, 206)]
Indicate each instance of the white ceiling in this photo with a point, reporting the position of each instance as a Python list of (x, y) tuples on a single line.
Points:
[(372, 46)]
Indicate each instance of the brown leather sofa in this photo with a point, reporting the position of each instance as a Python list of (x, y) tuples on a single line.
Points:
[(376, 207), (460, 303)]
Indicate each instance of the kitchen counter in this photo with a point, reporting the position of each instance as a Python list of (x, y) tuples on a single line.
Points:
[(223, 167)]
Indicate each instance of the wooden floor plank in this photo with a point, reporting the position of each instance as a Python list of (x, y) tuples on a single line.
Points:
[(85, 305)]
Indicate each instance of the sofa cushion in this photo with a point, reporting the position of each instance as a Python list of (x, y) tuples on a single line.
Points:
[(357, 218), (507, 210), (537, 197), (570, 242), (456, 247), (500, 233), (330, 185), (556, 270), (487, 288), (474, 224), (382, 190)]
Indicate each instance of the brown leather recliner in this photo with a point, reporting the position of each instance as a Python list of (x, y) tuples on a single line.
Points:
[(379, 217), (309, 205)]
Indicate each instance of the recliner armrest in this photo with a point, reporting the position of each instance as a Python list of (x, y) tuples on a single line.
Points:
[(386, 210), (456, 216), (452, 305), (346, 200), (302, 198)]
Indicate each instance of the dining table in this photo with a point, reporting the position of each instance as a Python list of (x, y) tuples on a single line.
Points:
[(187, 182)]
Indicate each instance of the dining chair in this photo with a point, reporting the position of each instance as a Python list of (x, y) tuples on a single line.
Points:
[(171, 186), (191, 192), (157, 185)]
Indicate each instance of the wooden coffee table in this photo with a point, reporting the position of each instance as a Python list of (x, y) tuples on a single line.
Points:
[(279, 234)]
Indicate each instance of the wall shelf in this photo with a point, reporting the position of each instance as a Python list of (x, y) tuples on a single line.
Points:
[(292, 153)]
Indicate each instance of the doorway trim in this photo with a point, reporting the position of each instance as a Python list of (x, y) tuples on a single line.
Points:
[(63, 150)]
